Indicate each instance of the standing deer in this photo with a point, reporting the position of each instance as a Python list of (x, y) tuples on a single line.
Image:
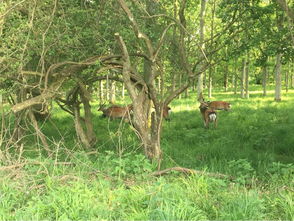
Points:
[(219, 105), (115, 111), (216, 105), (208, 114)]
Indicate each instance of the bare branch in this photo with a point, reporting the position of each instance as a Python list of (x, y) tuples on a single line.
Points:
[(190, 172), (126, 67), (161, 41), (135, 26)]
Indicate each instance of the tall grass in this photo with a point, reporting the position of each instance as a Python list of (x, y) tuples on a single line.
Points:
[(253, 144)]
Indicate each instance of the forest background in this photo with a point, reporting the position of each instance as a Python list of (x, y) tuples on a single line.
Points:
[(63, 59)]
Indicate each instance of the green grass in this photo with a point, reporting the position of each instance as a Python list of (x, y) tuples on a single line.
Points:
[(253, 144)]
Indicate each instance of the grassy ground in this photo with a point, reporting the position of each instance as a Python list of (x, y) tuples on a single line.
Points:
[(253, 143)]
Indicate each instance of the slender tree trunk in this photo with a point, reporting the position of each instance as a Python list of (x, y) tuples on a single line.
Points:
[(107, 88), (123, 91), (112, 92), (243, 76), (180, 84), (226, 78), (210, 82), (278, 70), (264, 79), (291, 70), (235, 75), (289, 11), (211, 68), (247, 78), (174, 83), (204, 80), (278, 78), (287, 80), (187, 90), (101, 94), (201, 43)]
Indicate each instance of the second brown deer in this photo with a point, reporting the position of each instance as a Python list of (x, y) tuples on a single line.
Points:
[(209, 114), (115, 111)]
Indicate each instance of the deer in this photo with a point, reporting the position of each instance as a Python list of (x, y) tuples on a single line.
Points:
[(209, 115), (216, 105), (219, 105), (166, 112), (116, 111)]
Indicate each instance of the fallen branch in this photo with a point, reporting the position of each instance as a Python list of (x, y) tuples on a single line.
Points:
[(190, 172)]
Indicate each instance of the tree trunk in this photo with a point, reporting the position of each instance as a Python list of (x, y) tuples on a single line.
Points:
[(180, 84), (174, 83), (88, 120), (148, 130), (211, 68), (123, 91), (112, 92), (291, 70), (201, 43), (287, 80), (235, 76), (107, 88), (226, 78), (210, 82), (243, 76), (247, 78), (264, 79), (78, 126), (39, 132), (187, 92), (278, 78), (101, 93), (289, 11)]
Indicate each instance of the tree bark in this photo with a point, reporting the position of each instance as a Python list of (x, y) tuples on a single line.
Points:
[(247, 78), (243, 77), (287, 81), (226, 78), (111, 91), (290, 13), (78, 126), (264, 79), (107, 88), (210, 82), (278, 78), (88, 117), (201, 43), (123, 91), (101, 92), (39, 132), (211, 69)]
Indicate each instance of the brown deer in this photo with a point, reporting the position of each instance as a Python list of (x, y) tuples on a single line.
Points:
[(116, 111), (166, 112), (219, 105), (208, 114), (216, 105)]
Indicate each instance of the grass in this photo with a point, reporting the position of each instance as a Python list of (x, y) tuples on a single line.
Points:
[(253, 143)]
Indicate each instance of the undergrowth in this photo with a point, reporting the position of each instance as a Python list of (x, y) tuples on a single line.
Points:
[(253, 145)]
